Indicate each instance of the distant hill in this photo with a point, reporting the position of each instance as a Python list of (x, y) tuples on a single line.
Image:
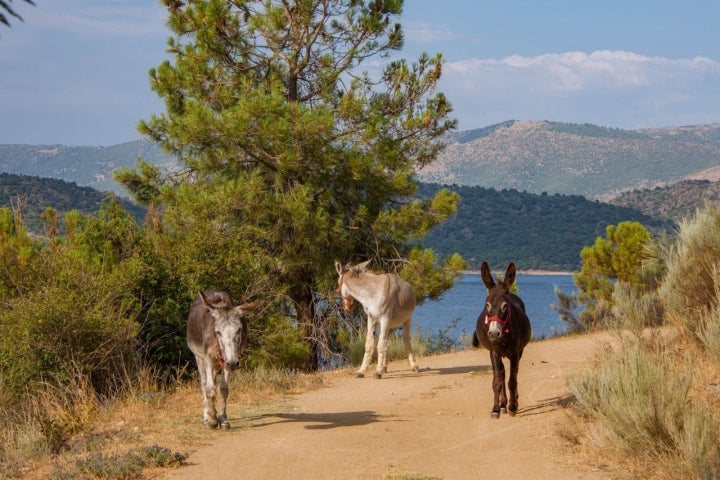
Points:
[(535, 231), (41, 193), (536, 157), (86, 166), (672, 202), (587, 160)]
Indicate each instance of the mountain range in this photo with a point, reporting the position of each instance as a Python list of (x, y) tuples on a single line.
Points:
[(531, 192), (535, 157), (576, 159)]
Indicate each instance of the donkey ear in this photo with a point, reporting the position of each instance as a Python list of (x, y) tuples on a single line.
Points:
[(206, 299), (363, 265), (509, 275), (249, 306), (486, 276)]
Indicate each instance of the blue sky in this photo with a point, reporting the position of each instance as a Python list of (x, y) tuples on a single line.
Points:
[(75, 72)]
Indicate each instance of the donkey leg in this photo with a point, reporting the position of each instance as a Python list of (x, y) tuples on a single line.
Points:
[(512, 383), (382, 349), (207, 381), (224, 390), (500, 397), (408, 346), (369, 347)]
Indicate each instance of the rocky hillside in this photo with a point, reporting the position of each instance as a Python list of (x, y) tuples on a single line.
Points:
[(588, 160), (672, 202), (86, 166)]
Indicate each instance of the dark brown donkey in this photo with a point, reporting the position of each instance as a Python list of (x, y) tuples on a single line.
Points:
[(504, 329)]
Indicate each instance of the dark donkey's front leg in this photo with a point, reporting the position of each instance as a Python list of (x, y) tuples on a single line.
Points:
[(512, 382), (500, 400)]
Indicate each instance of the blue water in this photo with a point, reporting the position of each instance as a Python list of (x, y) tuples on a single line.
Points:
[(464, 302)]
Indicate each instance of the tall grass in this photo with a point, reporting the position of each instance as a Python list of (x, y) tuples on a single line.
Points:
[(641, 394), (690, 286), (709, 328)]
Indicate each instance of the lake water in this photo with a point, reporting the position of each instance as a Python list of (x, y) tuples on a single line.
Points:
[(464, 302)]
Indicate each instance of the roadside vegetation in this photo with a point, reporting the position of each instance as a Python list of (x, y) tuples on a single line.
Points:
[(293, 152), (291, 157), (652, 399)]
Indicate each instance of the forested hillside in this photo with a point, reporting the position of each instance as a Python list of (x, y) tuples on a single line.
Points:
[(534, 231), (35, 194)]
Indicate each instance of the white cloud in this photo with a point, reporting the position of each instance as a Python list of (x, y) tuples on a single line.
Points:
[(608, 87), (577, 71), (426, 33)]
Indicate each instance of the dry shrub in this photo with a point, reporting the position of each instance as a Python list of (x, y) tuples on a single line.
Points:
[(690, 286), (640, 396)]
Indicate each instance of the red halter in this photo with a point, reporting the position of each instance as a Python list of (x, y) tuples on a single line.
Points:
[(502, 321), (347, 302)]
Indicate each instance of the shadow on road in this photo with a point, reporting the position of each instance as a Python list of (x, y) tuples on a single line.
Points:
[(548, 405), (323, 421)]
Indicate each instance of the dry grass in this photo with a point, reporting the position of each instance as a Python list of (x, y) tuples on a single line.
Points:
[(648, 404), (148, 426)]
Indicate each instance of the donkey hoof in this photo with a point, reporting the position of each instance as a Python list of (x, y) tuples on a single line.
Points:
[(359, 375), (503, 410), (210, 423), (495, 415), (225, 425), (512, 413), (377, 376)]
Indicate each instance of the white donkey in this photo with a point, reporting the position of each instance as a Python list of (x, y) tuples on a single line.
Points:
[(217, 333), (387, 299)]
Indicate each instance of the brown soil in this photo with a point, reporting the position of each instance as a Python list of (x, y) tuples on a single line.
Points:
[(434, 424)]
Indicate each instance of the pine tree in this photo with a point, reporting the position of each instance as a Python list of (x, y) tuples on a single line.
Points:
[(616, 258), (293, 155)]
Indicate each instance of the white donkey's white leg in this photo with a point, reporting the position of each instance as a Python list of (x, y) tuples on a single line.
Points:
[(224, 390), (382, 348), (207, 380), (408, 345), (369, 347)]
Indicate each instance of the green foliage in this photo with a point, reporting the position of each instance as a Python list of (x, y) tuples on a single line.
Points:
[(79, 318), (534, 231), (641, 392), (37, 194), (292, 156), (618, 257)]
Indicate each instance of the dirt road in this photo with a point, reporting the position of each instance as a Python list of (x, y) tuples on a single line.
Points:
[(434, 424)]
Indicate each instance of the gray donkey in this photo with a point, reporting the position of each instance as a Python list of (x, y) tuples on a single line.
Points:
[(217, 334)]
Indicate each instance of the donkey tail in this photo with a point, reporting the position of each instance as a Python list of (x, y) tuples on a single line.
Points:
[(475, 341)]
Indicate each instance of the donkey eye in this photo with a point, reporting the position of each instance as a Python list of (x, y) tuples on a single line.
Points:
[(488, 306)]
